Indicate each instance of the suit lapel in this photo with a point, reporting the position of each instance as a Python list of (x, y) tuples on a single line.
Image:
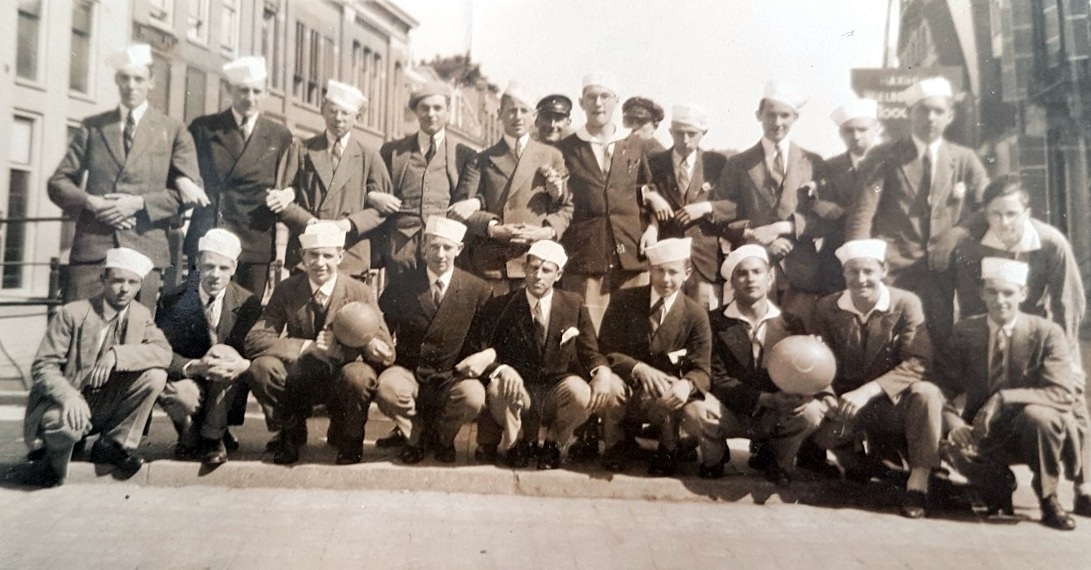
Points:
[(1019, 347), (941, 175), (90, 330), (318, 152), (352, 159), (759, 175), (144, 136), (230, 311), (227, 137), (525, 169), (912, 169), (399, 162), (879, 328), (664, 162), (736, 340), (793, 179), (663, 340), (697, 180), (501, 157), (112, 136), (304, 312), (450, 149)]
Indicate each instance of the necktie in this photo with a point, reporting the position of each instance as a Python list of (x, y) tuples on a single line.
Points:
[(778, 167), (246, 127), (655, 316), (130, 127), (539, 323), (683, 175), (519, 145), (428, 156), (926, 173), (998, 373), (338, 149), (607, 156), (210, 318), (319, 308), (437, 292)]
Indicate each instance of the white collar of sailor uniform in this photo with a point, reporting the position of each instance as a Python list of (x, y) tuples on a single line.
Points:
[(844, 302), (772, 311), (613, 137), (1031, 240)]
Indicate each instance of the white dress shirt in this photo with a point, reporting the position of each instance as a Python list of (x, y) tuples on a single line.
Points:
[(771, 148)]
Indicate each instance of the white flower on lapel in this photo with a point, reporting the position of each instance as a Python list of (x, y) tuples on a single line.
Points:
[(676, 356), (959, 190), (705, 188), (569, 334)]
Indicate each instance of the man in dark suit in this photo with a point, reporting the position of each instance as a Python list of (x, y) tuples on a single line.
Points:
[(206, 322), (606, 171), (297, 362), (1013, 372), (238, 150), (770, 184), (913, 193), (883, 354), (742, 400), (333, 176), (685, 176), (659, 346), (432, 312), (553, 120), (520, 183), (540, 349), (141, 171), (425, 168), (642, 117), (98, 370)]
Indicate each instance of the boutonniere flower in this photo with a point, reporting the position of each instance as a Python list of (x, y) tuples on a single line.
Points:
[(705, 188), (959, 190), (569, 334), (676, 356), (554, 179)]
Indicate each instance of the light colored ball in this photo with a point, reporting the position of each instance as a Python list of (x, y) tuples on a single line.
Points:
[(802, 364), (356, 323)]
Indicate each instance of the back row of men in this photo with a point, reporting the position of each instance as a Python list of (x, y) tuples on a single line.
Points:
[(611, 199)]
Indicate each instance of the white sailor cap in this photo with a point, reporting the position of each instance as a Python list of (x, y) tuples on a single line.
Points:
[(136, 55), (691, 115), (247, 70), (129, 260), (344, 95), (445, 228), (857, 248), (668, 250), (930, 87), (322, 234), (855, 109), (602, 79), (549, 250), (516, 91), (736, 256), (1005, 270), (786, 93), (221, 241)]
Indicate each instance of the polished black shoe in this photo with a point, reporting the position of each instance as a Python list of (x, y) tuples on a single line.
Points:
[(549, 456), (914, 504), (394, 439), (584, 449), (230, 441), (350, 455), (275, 443), (519, 455), (411, 454), (37, 455), (110, 453), (41, 474), (286, 455), (662, 464), (777, 475), (616, 458), (214, 452), (716, 470), (1082, 506), (686, 452), (761, 457), (1054, 516), (486, 454), (183, 452), (445, 453)]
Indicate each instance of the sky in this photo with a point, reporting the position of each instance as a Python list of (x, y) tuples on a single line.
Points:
[(717, 54)]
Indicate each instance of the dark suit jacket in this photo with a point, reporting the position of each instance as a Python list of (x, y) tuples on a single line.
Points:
[(626, 337), (737, 379), (236, 174), (287, 322), (327, 195), (511, 192), (508, 327), (433, 340), (608, 218), (181, 317), (703, 187), (1039, 369), (162, 152), (746, 181), (887, 205), (839, 187), (897, 351)]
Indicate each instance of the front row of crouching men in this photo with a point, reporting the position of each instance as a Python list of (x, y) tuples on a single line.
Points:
[(529, 368)]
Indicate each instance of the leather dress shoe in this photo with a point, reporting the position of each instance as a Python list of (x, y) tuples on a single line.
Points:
[(1082, 506), (37, 455), (914, 504), (616, 458), (275, 442), (394, 439), (584, 449), (113, 454), (549, 456), (41, 474), (519, 455), (411, 454), (286, 455), (686, 452), (716, 470), (485, 454), (761, 457), (445, 453), (230, 441), (183, 452), (215, 452), (1054, 516), (777, 475), (350, 455), (662, 464)]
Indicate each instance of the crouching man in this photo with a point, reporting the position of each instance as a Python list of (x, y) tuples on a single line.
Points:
[(1014, 373), (99, 370), (537, 351), (742, 400), (206, 321), (659, 344), (298, 363)]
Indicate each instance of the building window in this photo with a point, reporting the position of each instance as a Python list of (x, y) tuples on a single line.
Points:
[(197, 21), (314, 62), (68, 227), (79, 72), (29, 31), (270, 44), (160, 11), (373, 92), (229, 26), (226, 98), (299, 66), (196, 81), (22, 153), (159, 96), (329, 60)]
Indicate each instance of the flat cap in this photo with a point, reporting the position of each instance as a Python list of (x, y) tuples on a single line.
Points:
[(555, 104), (643, 109)]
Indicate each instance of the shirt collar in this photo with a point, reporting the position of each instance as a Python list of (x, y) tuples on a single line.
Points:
[(326, 288), (585, 135), (205, 296), (138, 111), (424, 140), (445, 277), (689, 160), (771, 147), (344, 140), (109, 313), (512, 141), (668, 301), (854, 159), (1031, 240), (844, 302), (241, 119), (732, 312), (1008, 327), (546, 300), (933, 147)]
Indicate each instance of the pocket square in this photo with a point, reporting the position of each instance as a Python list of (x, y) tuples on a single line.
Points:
[(676, 356), (569, 334)]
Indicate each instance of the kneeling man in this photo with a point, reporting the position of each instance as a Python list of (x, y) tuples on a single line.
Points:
[(99, 369)]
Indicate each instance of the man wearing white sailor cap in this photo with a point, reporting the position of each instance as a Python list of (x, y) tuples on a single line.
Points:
[(605, 170), (1013, 371), (520, 183), (658, 342), (238, 149), (432, 390), (687, 177), (128, 172), (206, 321), (298, 362), (770, 183), (99, 370), (333, 176), (884, 355), (539, 360), (913, 194)]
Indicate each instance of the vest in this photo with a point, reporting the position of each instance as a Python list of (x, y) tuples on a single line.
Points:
[(426, 189)]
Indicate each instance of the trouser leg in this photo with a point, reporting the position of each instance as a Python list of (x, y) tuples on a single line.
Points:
[(789, 431), (1041, 437), (613, 412), (219, 398), (565, 408), (267, 379), (507, 413), (59, 438), (354, 386), (462, 403), (712, 423), (181, 399), (121, 409)]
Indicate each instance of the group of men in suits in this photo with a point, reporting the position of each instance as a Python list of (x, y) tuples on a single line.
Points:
[(560, 279)]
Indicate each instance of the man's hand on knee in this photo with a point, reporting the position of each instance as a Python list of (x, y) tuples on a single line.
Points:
[(677, 395), (652, 381), (600, 389), (76, 414), (510, 383)]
